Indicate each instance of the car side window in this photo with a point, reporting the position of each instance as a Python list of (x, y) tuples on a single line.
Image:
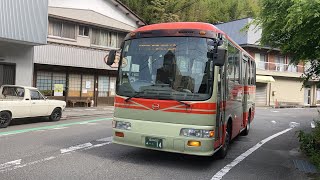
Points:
[(35, 95)]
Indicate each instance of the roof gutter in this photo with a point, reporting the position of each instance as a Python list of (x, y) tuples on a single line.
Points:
[(139, 21)]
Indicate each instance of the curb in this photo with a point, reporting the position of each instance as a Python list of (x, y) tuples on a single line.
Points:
[(79, 116)]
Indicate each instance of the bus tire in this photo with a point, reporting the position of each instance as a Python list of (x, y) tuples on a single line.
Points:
[(224, 149), (245, 132)]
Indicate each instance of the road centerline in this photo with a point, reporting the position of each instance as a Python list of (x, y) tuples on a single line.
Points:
[(51, 126)]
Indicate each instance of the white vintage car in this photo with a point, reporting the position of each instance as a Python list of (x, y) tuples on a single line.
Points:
[(22, 102)]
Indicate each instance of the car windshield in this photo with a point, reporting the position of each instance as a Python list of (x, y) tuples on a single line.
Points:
[(166, 68)]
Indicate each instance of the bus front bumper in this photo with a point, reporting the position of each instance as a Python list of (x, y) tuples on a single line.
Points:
[(176, 144)]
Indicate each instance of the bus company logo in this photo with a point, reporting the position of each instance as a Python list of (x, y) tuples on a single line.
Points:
[(155, 106)]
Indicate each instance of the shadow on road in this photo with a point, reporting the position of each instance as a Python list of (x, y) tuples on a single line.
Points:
[(24, 121), (157, 158)]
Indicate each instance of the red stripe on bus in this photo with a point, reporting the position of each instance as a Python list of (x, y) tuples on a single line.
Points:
[(189, 111), (131, 107), (165, 104), (249, 88)]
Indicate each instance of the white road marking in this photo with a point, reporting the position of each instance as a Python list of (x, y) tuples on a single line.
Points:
[(274, 122), (40, 130), (97, 145), (107, 139), (27, 164), (313, 124), (275, 111), (294, 124), (60, 128), (84, 123), (236, 161), (92, 124), (11, 163), (73, 148)]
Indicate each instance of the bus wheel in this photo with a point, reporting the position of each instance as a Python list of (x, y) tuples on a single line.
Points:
[(245, 132), (224, 149)]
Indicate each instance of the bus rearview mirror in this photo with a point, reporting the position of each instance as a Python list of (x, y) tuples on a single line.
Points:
[(110, 58), (218, 58)]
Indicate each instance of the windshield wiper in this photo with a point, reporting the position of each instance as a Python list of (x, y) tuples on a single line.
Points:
[(135, 95), (181, 102), (186, 104)]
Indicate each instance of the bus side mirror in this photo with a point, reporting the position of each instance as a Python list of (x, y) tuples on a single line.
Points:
[(111, 57), (218, 58)]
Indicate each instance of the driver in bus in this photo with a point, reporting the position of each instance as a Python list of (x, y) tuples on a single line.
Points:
[(166, 74)]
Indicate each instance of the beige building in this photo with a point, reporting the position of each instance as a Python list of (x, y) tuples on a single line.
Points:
[(279, 83), (80, 35)]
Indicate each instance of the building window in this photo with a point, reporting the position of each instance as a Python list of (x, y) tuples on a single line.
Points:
[(280, 63), (46, 82), (87, 85), (105, 38), (74, 85), (103, 84), (261, 60), (112, 86), (62, 29), (83, 30)]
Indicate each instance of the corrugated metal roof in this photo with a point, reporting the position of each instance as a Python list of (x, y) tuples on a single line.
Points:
[(63, 55)]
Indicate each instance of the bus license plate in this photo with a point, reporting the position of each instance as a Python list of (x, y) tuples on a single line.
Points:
[(154, 142)]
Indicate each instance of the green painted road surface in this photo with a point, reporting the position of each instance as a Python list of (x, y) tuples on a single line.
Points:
[(51, 127)]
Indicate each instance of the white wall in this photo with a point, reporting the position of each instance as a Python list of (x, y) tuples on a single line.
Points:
[(22, 57), (104, 7)]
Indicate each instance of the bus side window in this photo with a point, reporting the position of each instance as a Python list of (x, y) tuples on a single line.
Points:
[(253, 72), (249, 72), (237, 66)]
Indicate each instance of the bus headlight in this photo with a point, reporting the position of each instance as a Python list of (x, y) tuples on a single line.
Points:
[(200, 133), (121, 125)]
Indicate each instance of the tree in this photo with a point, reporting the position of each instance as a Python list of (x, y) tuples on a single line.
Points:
[(294, 27), (211, 11)]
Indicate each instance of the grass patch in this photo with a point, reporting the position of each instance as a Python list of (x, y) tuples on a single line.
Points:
[(310, 143)]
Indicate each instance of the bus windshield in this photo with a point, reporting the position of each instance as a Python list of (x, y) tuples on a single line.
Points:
[(166, 68)]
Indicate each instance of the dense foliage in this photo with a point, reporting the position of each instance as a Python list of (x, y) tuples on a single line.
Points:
[(212, 11), (310, 143), (294, 27)]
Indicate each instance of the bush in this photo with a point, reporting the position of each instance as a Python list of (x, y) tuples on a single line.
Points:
[(310, 143)]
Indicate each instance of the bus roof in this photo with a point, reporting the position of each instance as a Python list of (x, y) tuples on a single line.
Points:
[(190, 25), (181, 25)]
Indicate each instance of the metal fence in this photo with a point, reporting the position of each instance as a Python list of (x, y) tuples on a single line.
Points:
[(271, 66)]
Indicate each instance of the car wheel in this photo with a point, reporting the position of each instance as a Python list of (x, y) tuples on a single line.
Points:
[(55, 115), (5, 119), (224, 149)]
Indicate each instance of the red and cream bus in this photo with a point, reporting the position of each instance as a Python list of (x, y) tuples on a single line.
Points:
[(182, 87)]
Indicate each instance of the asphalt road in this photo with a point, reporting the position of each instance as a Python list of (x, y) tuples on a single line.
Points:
[(81, 149)]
